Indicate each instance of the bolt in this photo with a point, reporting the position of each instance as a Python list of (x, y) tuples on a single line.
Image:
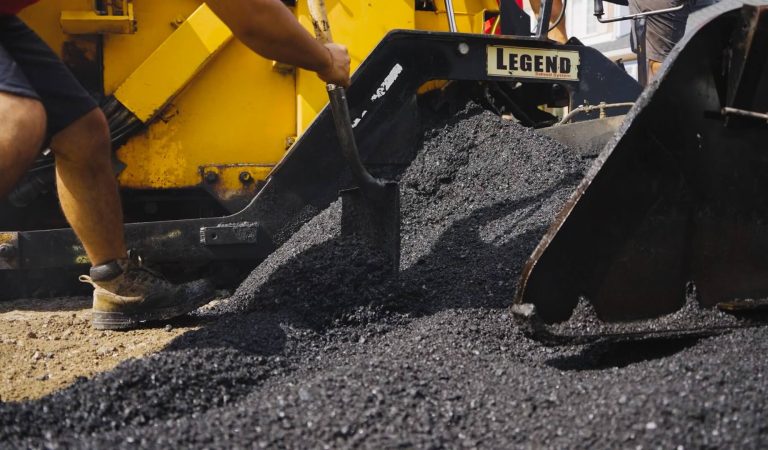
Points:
[(7, 251), (211, 177), (245, 178), (463, 48)]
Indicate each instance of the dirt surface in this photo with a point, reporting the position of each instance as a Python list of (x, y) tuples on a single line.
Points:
[(320, 349), (45, 345)]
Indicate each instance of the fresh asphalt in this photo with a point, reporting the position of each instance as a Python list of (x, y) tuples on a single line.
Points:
[(321, 348)]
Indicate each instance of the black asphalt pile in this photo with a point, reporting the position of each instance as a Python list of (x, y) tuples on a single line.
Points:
[(321, 349), (474, 204)]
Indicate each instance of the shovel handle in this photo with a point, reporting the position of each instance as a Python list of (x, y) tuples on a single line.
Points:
[(343, 123), (320, 23), (339, 106)]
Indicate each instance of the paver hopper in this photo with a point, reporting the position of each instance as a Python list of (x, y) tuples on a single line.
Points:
[(679, 195)]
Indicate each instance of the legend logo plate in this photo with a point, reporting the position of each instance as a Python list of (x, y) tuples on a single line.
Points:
[(522, 62)]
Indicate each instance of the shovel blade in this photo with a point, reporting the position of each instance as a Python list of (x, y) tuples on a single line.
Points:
[(375, 219)]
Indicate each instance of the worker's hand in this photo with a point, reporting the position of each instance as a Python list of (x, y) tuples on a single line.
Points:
[(337, 69)]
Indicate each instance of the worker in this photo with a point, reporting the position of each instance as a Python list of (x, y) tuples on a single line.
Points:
[(662, 31), (558, 33), (43, 105)]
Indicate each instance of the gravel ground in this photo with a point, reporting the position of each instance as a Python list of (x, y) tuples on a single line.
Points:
[(46, 344), (319, 349)]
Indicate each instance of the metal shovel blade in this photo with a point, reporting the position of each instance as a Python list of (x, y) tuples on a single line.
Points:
[(375, 219)]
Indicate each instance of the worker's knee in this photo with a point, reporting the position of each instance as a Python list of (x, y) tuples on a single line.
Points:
[(86, 140), (95, 124), (22, 125)]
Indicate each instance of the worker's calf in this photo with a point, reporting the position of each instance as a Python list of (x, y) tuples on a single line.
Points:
[(87, 186)]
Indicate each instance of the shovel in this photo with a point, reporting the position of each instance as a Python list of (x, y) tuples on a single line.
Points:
[(370, 211)]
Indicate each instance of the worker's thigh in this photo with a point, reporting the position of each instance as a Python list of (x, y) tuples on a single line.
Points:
[(662, 32), (22, 116), (29, 68)]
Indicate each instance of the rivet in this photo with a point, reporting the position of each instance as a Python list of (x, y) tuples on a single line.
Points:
[(245, 177)]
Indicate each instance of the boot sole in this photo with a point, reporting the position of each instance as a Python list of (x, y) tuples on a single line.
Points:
[(102, 320)]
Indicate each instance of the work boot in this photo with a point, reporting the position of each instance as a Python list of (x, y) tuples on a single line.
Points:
[(127, 294)]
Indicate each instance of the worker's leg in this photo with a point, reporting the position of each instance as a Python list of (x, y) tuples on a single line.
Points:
[(79, 138), (22, 118), (22, 130), (87, 187), (653, 68), (662, 32), (558, 34), (125, 293)]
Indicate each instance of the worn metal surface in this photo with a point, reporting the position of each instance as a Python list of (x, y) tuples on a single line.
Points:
[(233, 185), (678, 195), (747, 86), (588, 137), (82, 55)]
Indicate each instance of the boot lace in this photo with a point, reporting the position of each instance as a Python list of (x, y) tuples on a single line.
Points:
[(140, 273), (135, 271)]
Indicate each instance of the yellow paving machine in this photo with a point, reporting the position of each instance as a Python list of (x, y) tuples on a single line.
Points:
[(221, 155)]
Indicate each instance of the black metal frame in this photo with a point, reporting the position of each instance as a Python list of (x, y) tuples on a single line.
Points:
[(640, 44)]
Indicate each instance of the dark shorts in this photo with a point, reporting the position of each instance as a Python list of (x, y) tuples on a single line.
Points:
[(662, 32), (29, 68)]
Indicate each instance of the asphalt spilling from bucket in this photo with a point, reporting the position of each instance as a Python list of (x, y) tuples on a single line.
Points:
[(321, 348)]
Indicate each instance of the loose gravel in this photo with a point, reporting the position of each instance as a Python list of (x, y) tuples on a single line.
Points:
[(319, 348)]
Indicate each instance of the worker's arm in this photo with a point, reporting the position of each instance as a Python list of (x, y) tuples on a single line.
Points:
[(270, 29)]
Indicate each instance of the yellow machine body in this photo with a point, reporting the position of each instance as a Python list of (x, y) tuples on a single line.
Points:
[(210, 104)]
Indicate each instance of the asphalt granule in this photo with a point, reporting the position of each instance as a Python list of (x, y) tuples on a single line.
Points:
[(320, 348)]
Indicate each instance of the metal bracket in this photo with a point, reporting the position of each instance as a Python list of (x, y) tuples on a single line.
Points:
[(727, 111), (599, 14), (113, 17), (230, 234)]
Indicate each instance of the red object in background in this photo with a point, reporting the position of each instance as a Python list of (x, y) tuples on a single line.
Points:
[(488, 25), (12, 7)]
